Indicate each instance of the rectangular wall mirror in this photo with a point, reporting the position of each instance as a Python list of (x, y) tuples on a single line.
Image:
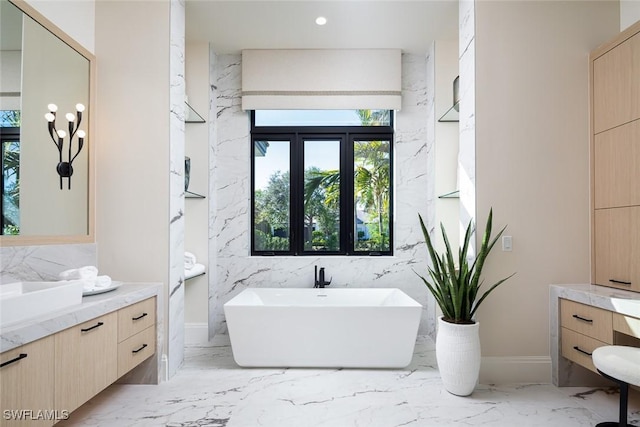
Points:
[(41, 65)]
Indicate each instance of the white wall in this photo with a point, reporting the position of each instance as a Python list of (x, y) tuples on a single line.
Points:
[(11, 70), (446, 150), (197, 210), (133, 132), (629, 13), (74, 17), (532, 157)]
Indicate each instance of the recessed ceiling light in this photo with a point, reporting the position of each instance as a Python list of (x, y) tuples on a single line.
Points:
[(321, 20)]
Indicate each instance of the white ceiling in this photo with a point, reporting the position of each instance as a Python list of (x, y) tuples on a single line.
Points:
[(231, 26)]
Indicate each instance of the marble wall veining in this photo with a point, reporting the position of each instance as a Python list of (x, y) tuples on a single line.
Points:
[(233, 269), (212, 304), (467, 141), (18, 263), (176, 184)]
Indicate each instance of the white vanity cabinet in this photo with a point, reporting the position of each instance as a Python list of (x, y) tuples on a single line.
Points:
[(26, 385)]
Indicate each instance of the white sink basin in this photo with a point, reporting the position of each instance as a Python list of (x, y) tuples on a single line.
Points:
[(24, 300)]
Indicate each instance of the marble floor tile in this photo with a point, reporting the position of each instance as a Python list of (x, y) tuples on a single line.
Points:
[(210, 390)]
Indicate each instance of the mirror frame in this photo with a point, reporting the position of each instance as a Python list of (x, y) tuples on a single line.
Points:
[(37, 240)]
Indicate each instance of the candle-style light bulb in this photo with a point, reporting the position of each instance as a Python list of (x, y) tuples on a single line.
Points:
[(62, 134), (81, 134), (70, 117), (49, 117), (79, 108), (52, 107)]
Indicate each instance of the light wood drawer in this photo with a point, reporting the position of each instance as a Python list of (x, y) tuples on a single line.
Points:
[(136, 318), (587, 320), (626, 324), (136, 349), (578, 348)]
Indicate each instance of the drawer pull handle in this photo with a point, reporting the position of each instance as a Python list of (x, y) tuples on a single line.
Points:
[(575, 316), (97, 325), (620, 282), (581, 350), (139, 317), (140, 349), (8, 362)]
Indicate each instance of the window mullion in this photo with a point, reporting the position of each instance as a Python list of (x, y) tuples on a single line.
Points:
[(297, 193), (346, 212)]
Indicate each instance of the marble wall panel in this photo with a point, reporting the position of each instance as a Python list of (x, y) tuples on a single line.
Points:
[(231, 267), (34, 263), (176, 191), (467, 141)]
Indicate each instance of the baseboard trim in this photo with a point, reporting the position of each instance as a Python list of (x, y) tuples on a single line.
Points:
[(196, 333), (515, 369)]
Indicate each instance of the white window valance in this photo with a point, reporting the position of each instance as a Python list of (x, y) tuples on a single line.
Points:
[(301, 79)]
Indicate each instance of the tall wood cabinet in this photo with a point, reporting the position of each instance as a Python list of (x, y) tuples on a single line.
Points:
[(615, 153)]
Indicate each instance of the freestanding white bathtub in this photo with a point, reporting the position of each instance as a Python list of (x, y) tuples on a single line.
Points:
[(348, 328)]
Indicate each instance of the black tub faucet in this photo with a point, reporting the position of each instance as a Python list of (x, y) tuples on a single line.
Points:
[(319, 281)]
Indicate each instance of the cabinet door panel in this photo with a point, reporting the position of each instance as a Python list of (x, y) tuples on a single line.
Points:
[(617, 248), (617, 166), (86, 360), (26, 385), (616, 86)]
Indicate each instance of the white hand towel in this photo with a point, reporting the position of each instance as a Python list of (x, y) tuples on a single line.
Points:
[(189, 260), (96, 283), (195, 271), (86, 272)]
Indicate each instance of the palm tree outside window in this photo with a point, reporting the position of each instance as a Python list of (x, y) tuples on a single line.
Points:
[(322, 182)]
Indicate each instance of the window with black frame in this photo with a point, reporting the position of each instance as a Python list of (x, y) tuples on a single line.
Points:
[(10, 159), (322, 182)]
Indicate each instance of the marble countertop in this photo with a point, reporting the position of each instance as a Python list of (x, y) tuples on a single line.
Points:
[(616, 300), (93, 306)]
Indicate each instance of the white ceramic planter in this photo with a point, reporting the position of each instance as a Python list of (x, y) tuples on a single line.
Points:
[(458, 356)]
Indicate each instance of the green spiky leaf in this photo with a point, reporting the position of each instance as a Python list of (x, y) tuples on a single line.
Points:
[(456, 287)]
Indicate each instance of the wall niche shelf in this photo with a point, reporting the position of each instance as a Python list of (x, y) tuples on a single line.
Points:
[(191, 195), (452, 114), (194, 276), (451, 195), (192, 115)]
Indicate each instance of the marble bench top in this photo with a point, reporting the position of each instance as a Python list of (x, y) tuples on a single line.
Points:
[(92, 306), (616, 300)]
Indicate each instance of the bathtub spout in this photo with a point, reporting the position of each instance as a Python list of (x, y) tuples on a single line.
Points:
[(319, 280)]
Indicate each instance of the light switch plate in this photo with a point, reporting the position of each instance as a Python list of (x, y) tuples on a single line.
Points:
[(507, 244)]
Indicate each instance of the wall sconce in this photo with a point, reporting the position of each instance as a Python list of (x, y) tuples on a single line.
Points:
[(65, 169)]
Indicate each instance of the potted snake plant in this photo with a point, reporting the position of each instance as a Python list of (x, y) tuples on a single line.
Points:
[(455, 282)]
